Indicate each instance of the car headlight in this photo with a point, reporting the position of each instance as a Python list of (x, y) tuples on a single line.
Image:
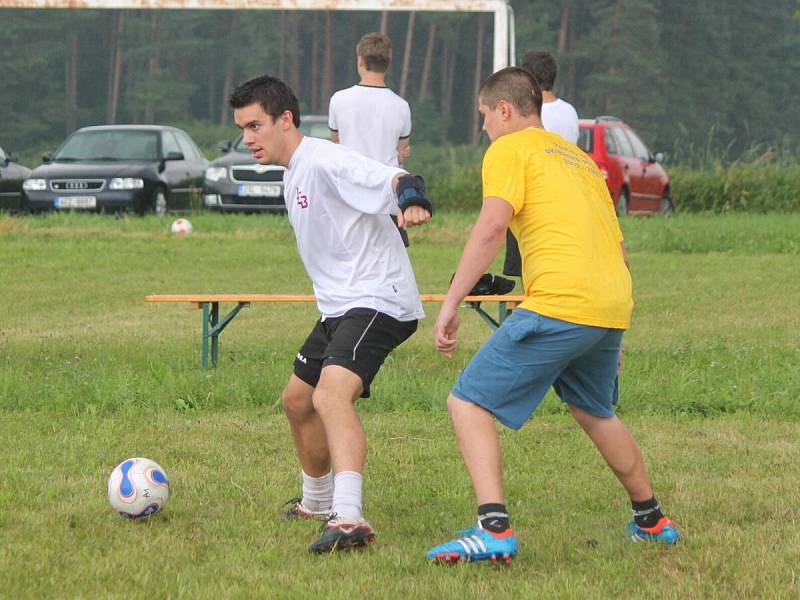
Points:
[(216, 173), (34, 185), (126, 183)]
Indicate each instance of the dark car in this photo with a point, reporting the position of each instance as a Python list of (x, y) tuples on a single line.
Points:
[(143, 168), (235, 182), (635, 179), (11, 177)]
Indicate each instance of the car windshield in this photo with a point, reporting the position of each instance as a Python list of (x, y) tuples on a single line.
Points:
[(110, 145), (311, 126), (315, 128), (586, 139)]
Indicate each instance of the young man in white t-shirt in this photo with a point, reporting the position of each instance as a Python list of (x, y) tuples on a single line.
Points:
[(558, 116), (369, 117), (337, 202)]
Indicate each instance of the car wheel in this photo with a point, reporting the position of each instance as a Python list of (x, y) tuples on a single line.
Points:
[(666, 208), (160, 203), (622, 203)]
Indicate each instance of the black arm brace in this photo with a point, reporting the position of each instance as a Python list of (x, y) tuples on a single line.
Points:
[(411, 192)]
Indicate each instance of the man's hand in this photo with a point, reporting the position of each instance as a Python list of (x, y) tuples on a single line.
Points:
[(445, 330), (410, 190), (413, 215)]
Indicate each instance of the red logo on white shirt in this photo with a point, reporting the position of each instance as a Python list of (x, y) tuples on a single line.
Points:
[(302, 199)]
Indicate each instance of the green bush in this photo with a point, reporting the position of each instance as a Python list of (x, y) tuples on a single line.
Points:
[(753, 187), (458, 189), (453, 175)]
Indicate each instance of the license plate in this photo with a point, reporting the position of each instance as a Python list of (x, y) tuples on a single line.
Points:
[(75, 202), (259, 189)]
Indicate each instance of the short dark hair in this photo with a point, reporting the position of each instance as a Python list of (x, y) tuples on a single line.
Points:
[(517, 87), (543, 66), (274, 96), (376, 50)]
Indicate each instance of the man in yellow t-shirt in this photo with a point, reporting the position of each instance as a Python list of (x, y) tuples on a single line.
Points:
[(566, 334)]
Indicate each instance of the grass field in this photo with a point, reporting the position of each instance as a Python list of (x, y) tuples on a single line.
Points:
[(90, 374)]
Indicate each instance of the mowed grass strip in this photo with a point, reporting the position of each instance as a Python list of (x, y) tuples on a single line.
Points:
[(728, 483), (714, 329)]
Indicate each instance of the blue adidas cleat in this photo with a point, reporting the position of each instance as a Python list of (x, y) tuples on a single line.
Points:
[(664, 531), (476, 544)]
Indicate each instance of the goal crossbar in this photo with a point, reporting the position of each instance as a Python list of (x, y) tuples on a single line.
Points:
[(503, 54)]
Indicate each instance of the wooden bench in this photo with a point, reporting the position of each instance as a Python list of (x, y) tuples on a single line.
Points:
[(213, 325)]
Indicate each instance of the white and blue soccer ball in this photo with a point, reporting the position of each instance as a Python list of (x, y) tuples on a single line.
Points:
[(138, 488)]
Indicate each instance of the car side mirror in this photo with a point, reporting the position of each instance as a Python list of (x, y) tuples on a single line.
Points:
[(225, 146), (174, 156), (47, 157), (659, 157)]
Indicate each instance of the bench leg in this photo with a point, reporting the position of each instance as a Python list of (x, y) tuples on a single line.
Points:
[(506, 308), (502, 311), (210, 318), (476, 306), (214, 334), (212, 327), (204, 338)]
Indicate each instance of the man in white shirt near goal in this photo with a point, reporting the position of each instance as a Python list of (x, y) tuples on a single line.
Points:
[(337, 202), (369, 117), (558, 116)]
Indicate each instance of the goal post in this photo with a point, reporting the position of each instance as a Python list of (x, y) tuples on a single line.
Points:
[(503, 54)]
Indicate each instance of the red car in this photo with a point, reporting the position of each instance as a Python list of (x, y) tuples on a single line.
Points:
[(637, 182)]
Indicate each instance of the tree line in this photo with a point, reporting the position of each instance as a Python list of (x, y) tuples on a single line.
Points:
[(711, 77)]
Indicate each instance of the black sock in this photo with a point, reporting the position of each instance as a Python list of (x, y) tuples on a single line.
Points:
[(647, 513), (493, 517)]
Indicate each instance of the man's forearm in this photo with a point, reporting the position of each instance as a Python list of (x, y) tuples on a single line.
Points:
[(403, 150)]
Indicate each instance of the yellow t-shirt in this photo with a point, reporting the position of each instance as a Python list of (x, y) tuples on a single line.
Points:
[(569, 238)]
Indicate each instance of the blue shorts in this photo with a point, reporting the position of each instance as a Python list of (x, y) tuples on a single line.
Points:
[(528, 353)]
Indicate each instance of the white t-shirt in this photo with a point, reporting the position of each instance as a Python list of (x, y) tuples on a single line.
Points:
[(370, 120), (337, 202), (560, 117)]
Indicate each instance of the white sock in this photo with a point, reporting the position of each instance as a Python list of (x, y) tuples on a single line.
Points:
[(347, 491), (317, 491)]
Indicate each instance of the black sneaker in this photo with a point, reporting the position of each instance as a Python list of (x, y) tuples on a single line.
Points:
[(340, 534), (296, 510)]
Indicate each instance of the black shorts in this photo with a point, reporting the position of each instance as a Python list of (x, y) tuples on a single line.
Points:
[(359, 340)]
